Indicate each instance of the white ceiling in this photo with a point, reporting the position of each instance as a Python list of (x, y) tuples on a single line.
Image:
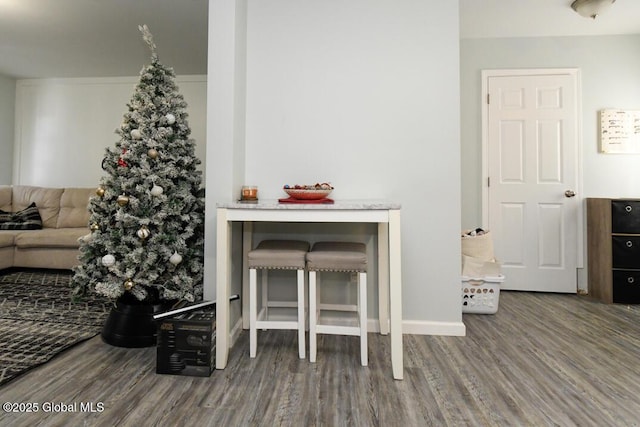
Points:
[(539, 18), (100, 38)]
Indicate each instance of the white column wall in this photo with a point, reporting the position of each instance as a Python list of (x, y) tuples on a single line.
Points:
[(364, 94)]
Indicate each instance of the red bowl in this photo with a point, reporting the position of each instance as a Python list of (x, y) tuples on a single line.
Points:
[(301, 194)]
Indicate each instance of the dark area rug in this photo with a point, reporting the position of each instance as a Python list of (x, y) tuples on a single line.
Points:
[(38, 319)]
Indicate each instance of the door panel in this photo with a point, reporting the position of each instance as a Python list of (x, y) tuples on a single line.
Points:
[(532, 161), (512, 151), (550, 236), (510, 224), (549, 152)]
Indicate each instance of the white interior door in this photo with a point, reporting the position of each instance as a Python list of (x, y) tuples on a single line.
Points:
[(532, 163)]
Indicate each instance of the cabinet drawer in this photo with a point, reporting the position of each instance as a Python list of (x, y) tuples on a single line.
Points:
[(626, 287), (626, 251), (625, 216)]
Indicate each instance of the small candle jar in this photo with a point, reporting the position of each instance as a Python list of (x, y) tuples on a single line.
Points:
[(249, 192)]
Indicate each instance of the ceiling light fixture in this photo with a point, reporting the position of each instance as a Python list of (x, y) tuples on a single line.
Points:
[(591, 8)]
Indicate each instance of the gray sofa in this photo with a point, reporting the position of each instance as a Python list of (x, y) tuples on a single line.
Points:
[(64, 217)]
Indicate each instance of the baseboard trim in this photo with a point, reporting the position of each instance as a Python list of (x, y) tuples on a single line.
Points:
[(409, 327), (420, 327)]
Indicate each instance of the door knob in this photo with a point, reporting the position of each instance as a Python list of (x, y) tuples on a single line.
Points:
[(569, 193)]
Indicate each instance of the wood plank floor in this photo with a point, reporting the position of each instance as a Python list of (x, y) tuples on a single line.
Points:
[(543, 359)]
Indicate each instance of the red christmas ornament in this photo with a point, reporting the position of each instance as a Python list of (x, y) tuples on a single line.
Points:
[(121, 161)]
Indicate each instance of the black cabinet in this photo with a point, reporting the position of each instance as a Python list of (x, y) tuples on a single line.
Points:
[(613, 244)]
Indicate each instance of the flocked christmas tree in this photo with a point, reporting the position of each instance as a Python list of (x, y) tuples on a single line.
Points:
[(146, 219)]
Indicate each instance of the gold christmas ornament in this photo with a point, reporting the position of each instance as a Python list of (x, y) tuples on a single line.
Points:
[(94, 227), (100, 191), (143, 232), (153, 153), (122, 200), (128, 284)]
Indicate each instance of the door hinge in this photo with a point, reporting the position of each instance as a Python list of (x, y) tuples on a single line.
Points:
[(488, 99), (488, 181)]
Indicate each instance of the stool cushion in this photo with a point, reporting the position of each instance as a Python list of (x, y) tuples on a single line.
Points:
[(279, 254), (337, 256)]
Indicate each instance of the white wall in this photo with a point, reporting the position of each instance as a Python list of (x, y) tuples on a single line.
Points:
[(610, 72), (7, 103), (64, 125), (364, 94)]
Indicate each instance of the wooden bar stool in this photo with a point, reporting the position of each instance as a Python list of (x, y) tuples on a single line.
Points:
[(270, 255), (341, 257)]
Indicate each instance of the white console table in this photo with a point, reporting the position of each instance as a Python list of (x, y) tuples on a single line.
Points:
[(385, 214)]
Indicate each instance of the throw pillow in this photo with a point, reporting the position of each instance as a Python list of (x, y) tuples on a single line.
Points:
[(5, 216), (26, 219)]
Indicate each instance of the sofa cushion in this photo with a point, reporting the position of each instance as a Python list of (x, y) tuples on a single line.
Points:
[(26, 219), (6, 239), (50, 238), (74, 205), (47, 200), (5, 198)]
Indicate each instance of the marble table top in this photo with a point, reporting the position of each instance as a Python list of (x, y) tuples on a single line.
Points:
[(270, 204)]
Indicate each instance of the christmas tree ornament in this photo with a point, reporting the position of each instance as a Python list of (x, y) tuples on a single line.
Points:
[(100, 191), (122, 200), (143, 232), (128, 284), (108, 260), (136, 134), (153, 153), (156, 190), (171, 119), (94, 227), (175, 259), (121, 161)]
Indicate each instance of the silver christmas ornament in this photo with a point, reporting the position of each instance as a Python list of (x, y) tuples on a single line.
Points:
[(108, 260), (143, 232), (175, 259), (156, 190)]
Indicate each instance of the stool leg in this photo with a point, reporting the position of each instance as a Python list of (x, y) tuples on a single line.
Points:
[(301, 329), (253, 312), (264, 292), (312, 316), (306, 301), (362, 306)]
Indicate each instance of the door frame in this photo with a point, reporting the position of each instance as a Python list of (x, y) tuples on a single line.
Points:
[(575, 74)]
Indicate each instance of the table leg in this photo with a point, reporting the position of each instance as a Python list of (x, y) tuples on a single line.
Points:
[(395, 294), (383, 277), (223, 272), (247, 245)]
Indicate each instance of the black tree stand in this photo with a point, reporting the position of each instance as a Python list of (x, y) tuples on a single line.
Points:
[(131, 324)]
